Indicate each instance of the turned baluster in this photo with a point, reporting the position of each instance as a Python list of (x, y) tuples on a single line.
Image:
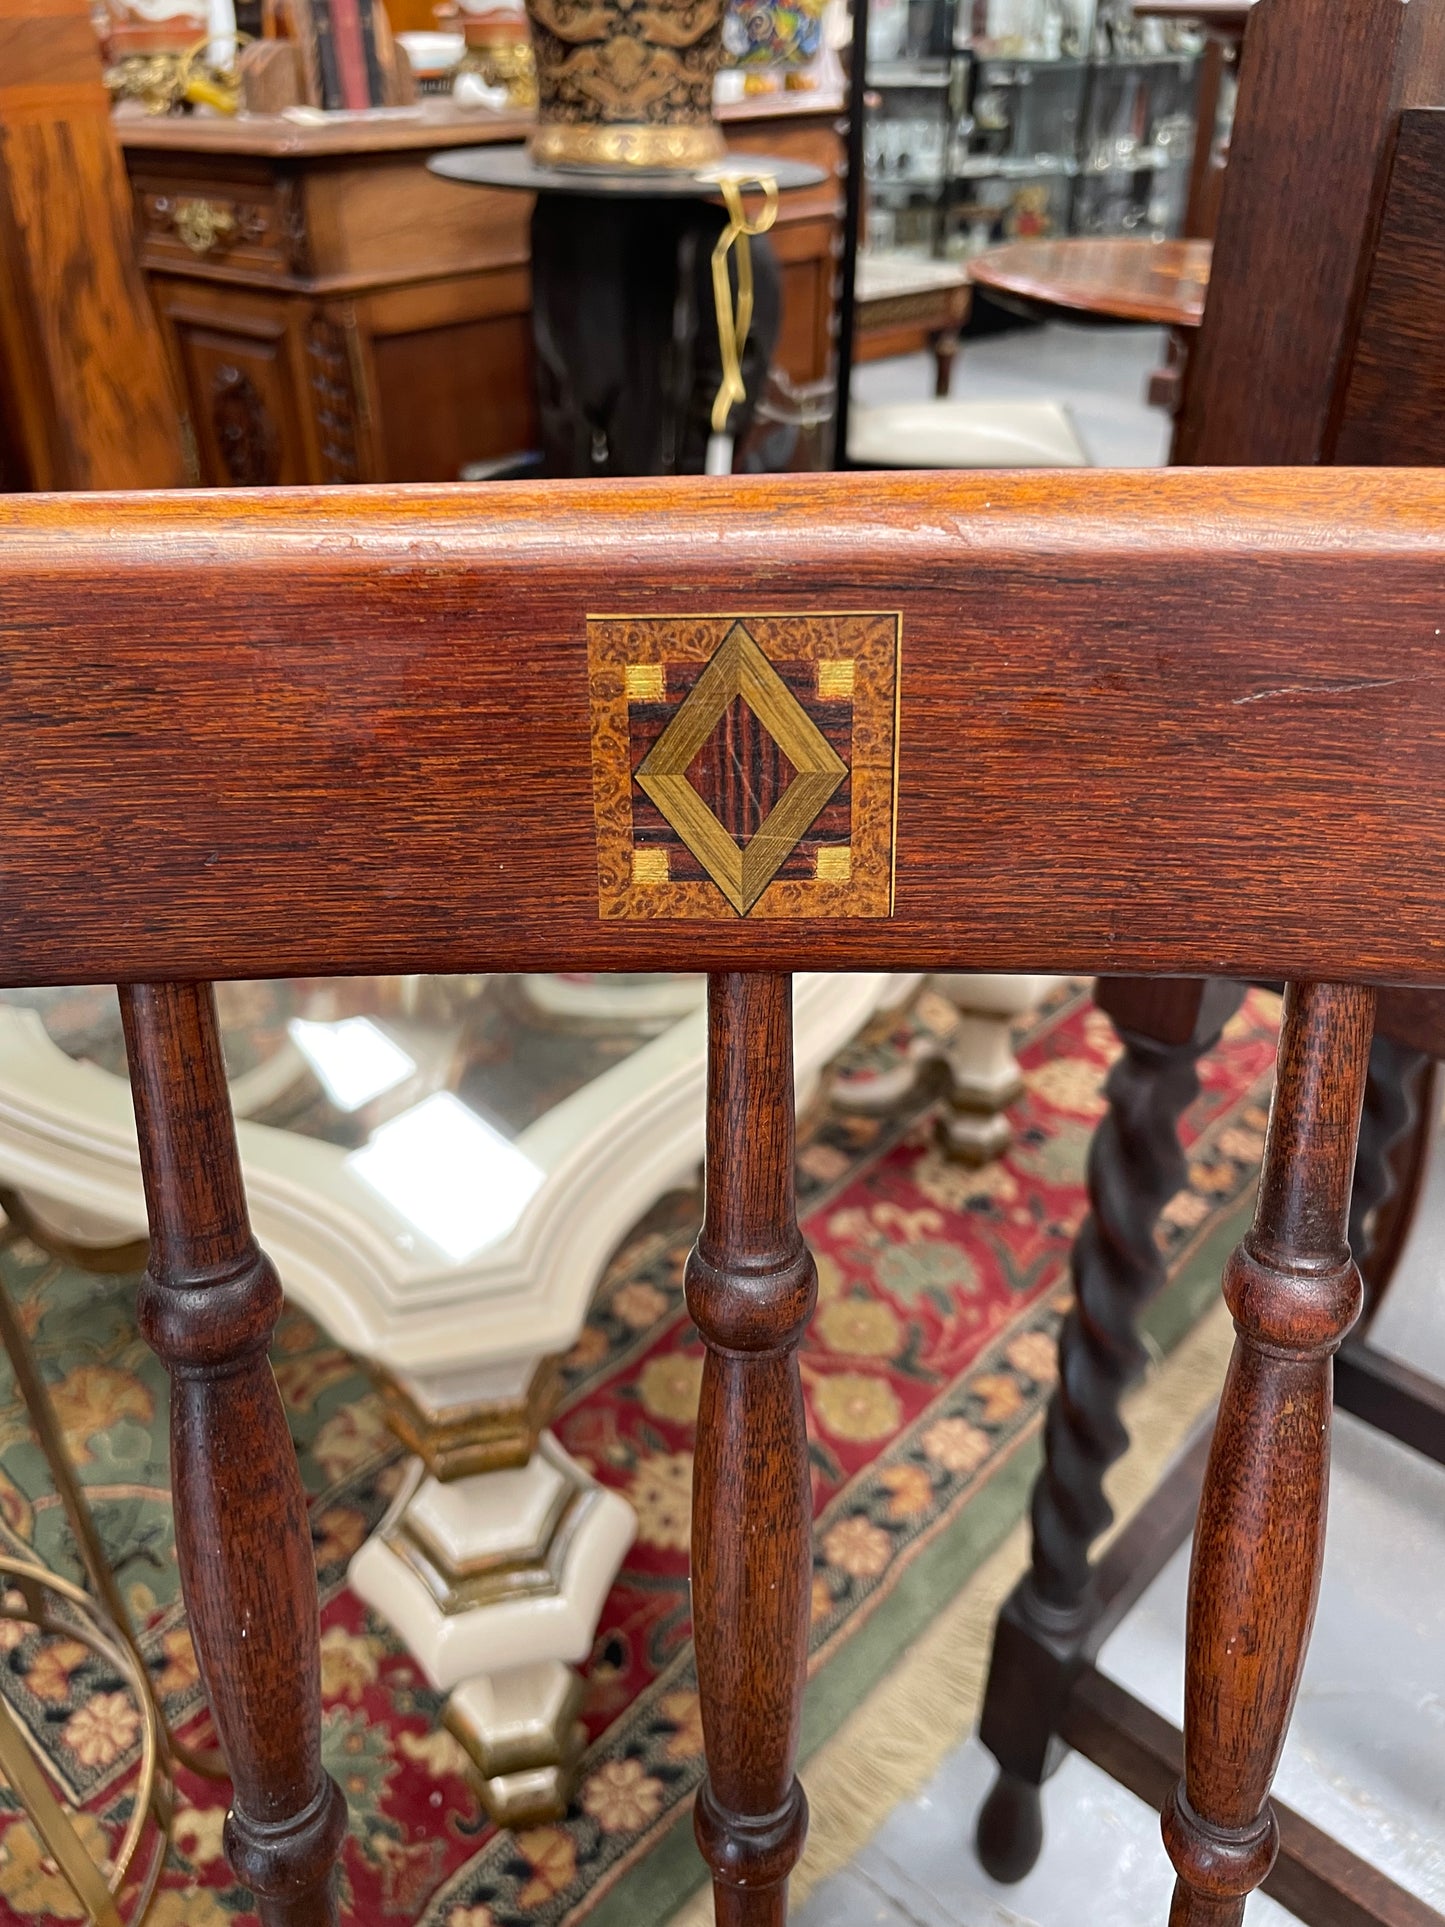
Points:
[(208, 1305), (1136, 1165), (750, 1288), (1294, 1291)]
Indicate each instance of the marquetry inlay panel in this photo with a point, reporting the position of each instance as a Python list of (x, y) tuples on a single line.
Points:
[(745, 765)]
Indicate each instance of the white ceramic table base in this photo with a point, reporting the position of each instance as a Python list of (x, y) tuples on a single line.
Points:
[(495, 1584), (522, 1735), (975, 1044)]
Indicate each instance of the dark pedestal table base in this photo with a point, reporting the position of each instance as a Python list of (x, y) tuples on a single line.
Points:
[(623, 316), (623, 322)]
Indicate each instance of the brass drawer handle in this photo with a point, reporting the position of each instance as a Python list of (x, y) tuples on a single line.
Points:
[(202, 224)]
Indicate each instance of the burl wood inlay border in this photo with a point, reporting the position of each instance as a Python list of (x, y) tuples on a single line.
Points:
[(821, 689)]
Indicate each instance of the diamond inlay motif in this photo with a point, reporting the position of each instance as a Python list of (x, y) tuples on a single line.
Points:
[(742, 869)]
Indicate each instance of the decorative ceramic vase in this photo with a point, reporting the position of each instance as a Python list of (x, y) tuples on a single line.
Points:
[(626, 83), (773, 33), (498, 45)]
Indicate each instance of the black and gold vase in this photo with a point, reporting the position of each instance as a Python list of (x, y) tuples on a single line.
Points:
[(626, 83)]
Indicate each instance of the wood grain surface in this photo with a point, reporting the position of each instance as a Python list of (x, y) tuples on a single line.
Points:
[(1181, 723), (751, 1288), (1322, 84), (88, 394), (1163, 282), (1395, 400)]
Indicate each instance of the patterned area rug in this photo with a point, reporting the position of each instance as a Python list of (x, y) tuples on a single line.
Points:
[(925, 1373)]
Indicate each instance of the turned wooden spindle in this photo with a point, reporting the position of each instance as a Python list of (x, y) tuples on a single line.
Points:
[(208, 1305), (1136, 1165), (751, 1284), (1294, 1291)]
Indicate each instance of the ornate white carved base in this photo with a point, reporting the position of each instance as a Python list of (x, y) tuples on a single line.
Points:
[(973, 1039), (495, 1584)]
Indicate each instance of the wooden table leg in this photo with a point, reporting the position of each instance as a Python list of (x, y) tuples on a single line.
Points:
[(208, 1305), (751, 1286), (1294, 1291), (945, 351)]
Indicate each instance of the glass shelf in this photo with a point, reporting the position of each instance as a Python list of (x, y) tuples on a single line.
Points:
[(1035, 143), (908, 73)]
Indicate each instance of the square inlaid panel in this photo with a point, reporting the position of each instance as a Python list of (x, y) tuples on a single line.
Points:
[(745, 765)]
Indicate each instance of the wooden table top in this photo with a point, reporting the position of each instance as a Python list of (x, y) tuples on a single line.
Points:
[(1133, 280)]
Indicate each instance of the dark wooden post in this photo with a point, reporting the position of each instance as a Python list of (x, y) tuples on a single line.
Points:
[(1294, 1291), (208, 1305), (751, 1284), (1321, 87), (1135, 1167), (1390, 1130)]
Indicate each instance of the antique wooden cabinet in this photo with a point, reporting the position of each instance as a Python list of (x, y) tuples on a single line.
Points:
[(339, 314)]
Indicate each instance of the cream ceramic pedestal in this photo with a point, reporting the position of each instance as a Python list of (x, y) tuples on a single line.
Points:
[(495, 1583), (976, 1049), (458, 1263), (984, 1074)]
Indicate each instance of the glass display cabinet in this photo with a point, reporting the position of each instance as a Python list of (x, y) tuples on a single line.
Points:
[(994, 120)]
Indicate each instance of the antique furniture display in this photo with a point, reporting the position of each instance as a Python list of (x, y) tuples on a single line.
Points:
[(982, 1076), (440, 1170), (86, 397), (1007, 832), (655, 311), (496, 46), (1224, 22), (161, 53), (1319, 344), (1162, 282), (338, 313), (942, 433), (635, 304)]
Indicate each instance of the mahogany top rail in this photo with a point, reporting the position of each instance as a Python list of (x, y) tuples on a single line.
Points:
[(1190, 722)]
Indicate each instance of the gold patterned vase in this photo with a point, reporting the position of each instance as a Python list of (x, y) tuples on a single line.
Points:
[(626, 83)]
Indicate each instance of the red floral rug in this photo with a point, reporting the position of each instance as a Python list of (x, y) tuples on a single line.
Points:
[(925, 1371)]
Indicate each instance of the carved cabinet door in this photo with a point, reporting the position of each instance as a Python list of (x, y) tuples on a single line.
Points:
[(246, 384)]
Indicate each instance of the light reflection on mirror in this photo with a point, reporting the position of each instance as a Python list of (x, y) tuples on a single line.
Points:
[(446, 1171), (354, 1059)]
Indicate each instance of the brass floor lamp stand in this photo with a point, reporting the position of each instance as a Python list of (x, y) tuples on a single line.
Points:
[(98, 1619)]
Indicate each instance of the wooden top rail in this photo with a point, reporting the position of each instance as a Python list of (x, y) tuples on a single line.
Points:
[(1182, 722)]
